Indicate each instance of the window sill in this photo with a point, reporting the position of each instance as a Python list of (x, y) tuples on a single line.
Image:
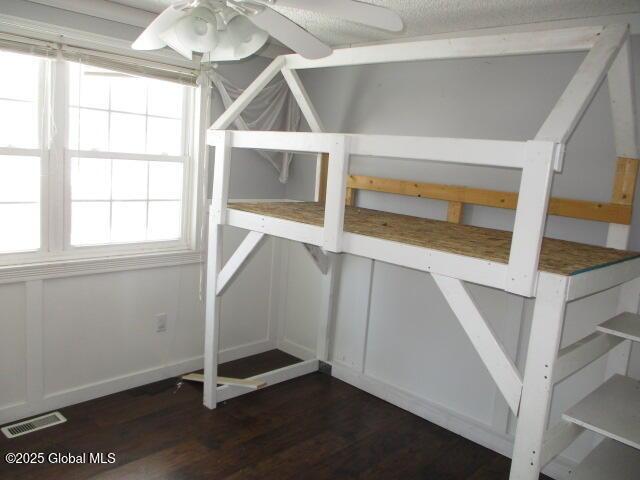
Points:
[(70, 267)]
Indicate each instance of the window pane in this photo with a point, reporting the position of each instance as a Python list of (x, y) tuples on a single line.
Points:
[(165, 99), (89, 223), (129, 94), (20, 76), (164, 136), (88, 129), (90, 179), (19, 179), (127, 133), (128, 221), (23, 233), (88, 86), (164, 221), (129, 180), (18, 124), (165, 180)]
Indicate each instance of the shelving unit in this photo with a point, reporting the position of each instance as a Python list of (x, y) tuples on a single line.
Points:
[(553, 272)]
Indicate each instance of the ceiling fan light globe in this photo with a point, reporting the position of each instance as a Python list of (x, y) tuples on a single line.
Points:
[(239, 40), (191, 34)]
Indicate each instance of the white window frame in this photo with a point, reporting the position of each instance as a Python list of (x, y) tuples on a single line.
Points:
[(55, 201)]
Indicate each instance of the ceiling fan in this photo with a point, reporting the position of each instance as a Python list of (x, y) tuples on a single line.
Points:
[(225, 30)]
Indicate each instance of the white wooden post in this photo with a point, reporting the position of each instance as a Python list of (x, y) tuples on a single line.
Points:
[(330, 288), (537, 389), (623, 112), (531, 216), (310, 114), (217, 218), (336, 194)]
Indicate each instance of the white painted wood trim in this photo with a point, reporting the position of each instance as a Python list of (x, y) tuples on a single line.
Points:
[(302, 98), (578, 355), (329, 294), (537, 390), (623, 113), (623, 107), (34, 332), (483, 338), (212, 313), (565, 116), (227, 392), (245, 251), (336, 194), (521, 43), (628, 301), (531, 216), (587, 283)]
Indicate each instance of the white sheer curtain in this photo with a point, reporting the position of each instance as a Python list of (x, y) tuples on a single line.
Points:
[(273, 109)]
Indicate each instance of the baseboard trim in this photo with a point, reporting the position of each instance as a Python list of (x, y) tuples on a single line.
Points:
[(297, 350), (102, 388), (245, 350), (467, 427)]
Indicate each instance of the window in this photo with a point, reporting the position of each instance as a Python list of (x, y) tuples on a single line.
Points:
[(20, 154), (132, 191), (109, 169)]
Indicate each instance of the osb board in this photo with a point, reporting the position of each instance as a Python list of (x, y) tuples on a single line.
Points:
[(558, 256)]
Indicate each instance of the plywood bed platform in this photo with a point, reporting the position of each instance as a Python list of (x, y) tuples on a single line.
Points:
[(557, 256)]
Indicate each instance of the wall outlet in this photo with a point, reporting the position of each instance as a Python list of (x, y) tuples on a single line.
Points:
[(161, 322)]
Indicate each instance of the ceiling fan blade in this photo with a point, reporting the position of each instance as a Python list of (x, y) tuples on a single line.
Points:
[(290, 33), (150, 38), (351, 10)]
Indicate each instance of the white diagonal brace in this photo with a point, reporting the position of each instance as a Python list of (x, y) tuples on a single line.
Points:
[(303, 100), (567, 112), (229, 116), (310, 114), (500, 366), (239, 259), (320, 258)]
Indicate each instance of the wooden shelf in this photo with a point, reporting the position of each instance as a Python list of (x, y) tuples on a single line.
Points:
[(610, 460), (625, 325), (613, 410)]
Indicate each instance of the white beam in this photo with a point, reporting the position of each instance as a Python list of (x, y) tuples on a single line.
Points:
[(497, 153), (531, 216), (320, 258), (336, 194), (623, 113), (521, 43), (226, 392), (252, 91), (330, 289), (537, 389), (302, 98), (249, 246), (491, 352), (569, 109)]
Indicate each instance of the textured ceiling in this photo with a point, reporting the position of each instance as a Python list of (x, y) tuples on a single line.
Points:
[(423, 17)]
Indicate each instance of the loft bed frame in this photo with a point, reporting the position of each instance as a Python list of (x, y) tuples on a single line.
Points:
[(554, 272)]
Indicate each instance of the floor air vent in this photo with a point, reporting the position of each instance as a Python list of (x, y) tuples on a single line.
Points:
[(38, 423)]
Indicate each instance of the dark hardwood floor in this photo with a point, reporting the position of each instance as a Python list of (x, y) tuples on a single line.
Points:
[(313, 427)]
